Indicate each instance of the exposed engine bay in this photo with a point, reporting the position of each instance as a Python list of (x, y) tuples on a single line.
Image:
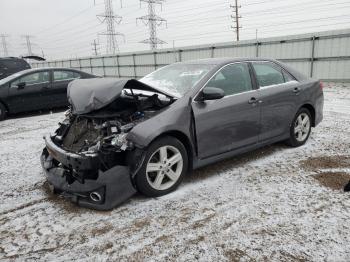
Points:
[(89, 158), (104, 131)]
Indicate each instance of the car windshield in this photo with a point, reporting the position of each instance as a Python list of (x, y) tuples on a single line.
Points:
[(177, 79)]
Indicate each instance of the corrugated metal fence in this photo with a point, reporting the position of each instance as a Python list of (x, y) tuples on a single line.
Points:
[(323, 55)]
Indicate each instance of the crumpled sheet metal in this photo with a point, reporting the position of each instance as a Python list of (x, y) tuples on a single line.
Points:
[(86, 95)]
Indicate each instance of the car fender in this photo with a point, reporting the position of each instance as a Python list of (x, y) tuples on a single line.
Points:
[(175, 118)]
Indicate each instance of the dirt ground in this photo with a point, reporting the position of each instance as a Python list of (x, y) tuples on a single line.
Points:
[(274, 204)]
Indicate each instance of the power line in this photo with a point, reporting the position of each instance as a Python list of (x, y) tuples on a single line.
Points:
[(111, 19), (4, 44), (214, 33), (185, 23), (283, 8), (298, 22), (187, 15), (152, 21), (236, 18), (301, 10), (223, 22), (196, 26), (67, 19), (262, 2)]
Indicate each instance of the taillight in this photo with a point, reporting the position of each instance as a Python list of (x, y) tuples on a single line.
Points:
[(321, 85)]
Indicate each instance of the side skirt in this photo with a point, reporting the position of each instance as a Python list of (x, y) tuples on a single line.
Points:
[(197, 163)]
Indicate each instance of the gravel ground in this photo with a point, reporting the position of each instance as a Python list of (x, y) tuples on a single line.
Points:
[(275, 204)]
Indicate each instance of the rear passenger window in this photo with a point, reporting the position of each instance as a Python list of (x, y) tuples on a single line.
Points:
[(267, 74), (65, 75), (233, 79)]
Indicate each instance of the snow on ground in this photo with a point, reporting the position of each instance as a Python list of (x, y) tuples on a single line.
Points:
[(264, 205)]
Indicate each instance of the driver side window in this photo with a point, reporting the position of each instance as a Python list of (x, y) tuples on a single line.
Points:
[(31, 79), (233, 79)]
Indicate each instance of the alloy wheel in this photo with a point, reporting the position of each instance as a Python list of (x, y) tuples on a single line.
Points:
[(302, 127), (164, 167)]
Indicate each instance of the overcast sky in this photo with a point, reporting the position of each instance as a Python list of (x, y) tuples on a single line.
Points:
[(66, 28)]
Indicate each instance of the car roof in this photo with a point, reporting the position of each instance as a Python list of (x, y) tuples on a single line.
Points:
[(11, 58), (225, 60), (51, 68), (47, 68), (33, 70)]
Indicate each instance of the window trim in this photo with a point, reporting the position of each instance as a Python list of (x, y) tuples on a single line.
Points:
[(254, 87), (67, 79), (39, 83), (274, 65)]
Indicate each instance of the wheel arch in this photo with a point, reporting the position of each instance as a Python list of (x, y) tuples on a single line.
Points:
[(312, 112)]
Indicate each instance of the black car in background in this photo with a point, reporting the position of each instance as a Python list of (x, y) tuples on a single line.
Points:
[(11, 65), (36, 89)]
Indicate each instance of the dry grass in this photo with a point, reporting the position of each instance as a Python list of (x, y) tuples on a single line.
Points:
[(326, 162), (333, 180)]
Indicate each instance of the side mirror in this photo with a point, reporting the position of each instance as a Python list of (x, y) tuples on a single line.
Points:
[(211, 93), (21, 85)]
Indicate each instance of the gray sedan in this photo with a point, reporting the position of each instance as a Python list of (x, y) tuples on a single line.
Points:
[(126, 135)]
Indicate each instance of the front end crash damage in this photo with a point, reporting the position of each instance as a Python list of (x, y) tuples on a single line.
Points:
[(89, 159)]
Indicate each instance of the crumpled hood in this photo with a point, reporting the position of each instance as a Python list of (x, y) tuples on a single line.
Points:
[(87, 95)]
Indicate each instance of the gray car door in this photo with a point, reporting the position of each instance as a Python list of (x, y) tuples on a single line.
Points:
[(278, 92), (231, 122)]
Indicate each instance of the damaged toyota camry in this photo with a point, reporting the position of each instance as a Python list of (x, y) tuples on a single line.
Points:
[(121, 136)]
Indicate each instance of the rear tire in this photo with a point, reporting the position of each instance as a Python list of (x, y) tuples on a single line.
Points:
[(164, 167), (300, 128), (3, 112)]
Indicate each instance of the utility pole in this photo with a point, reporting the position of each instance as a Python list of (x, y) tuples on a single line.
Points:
[(236, 18), (4, 44), (110, 19), (152, 21), (28, 43), (95, 47)]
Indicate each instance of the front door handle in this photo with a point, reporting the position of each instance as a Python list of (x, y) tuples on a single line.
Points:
[(252, 100)]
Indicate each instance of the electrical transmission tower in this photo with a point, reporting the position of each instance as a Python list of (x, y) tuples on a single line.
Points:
[(236, 18), (4, 44), (152, 21), (28, 43), (110, 19), (95, 48)]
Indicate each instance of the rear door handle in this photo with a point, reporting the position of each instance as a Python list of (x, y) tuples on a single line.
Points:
[(252, 100)]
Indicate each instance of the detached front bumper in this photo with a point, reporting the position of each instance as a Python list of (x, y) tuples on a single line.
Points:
[(65, 173)]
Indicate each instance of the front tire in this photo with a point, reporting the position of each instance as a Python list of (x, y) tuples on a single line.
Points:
[(300, 128), (164, 166), (3, 112)]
